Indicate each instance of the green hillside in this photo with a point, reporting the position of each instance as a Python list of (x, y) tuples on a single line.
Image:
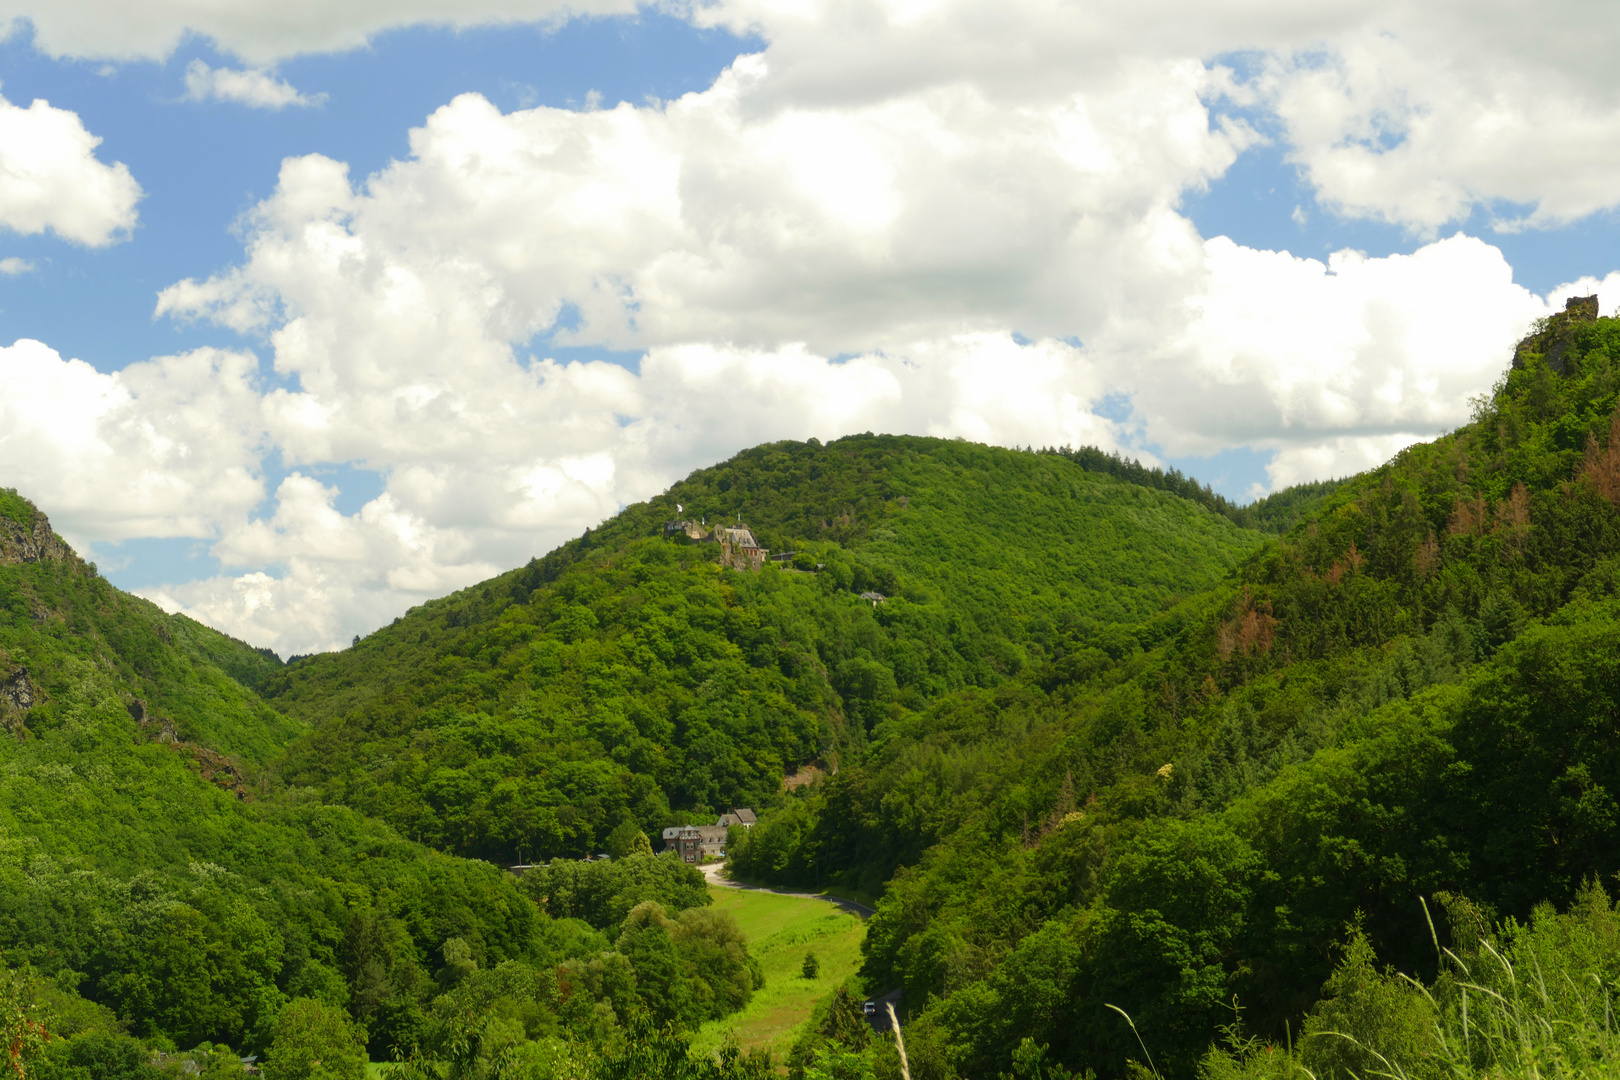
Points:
[(1410, 696), (627, 677), (160, 891), (1141, 790), (61, 624)]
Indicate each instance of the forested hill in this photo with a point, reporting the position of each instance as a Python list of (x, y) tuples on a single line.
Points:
[(627, 677), (1227, 826), (155, 883), (167, 905), (60, 622), (1096, 748)]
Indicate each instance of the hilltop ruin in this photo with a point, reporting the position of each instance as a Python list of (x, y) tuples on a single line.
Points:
[(738, 548)]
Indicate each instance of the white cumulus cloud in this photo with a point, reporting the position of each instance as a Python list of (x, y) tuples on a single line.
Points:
[(1421, 118), (251, 87), (166, 447), (260, 31), (707, 219), (1415, 114), (51, 179), (934, 217), (1411, 113), (1275, 350)]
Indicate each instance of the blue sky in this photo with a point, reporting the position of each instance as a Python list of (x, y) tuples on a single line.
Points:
[(530, 307), (203, 164)]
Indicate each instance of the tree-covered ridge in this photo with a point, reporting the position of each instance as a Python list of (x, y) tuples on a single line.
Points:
[(1275, 513), (987, 527), (629, 677), (161, 892), (840, 491), (1512, 516), (147, 865), (61, 623), (1412, 691)]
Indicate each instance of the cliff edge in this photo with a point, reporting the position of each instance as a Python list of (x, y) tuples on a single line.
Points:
[(25, 533)]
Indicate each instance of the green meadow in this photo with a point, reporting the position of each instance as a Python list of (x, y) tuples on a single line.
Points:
[(780, 930)]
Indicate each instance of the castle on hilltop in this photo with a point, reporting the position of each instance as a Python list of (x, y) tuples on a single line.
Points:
[(1556, 334), (738, 548)]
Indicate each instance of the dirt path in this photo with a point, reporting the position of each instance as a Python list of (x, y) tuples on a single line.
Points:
[(713, 873)]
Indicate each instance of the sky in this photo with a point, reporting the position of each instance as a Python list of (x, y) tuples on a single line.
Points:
[(310, 312)]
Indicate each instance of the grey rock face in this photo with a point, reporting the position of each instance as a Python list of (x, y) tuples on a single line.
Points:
[(30, 543), (17, 696)]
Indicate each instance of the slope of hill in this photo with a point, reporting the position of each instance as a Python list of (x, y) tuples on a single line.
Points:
[(1412, 694), (628, 677), (1098, 748), (59, 622), (160, 891), (1275, 513)]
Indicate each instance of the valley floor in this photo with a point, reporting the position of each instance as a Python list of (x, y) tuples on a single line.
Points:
[(781, 927)]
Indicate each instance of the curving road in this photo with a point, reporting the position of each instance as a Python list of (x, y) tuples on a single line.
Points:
[(713, 873)]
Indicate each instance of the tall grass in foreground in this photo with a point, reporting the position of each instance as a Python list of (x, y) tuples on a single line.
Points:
[(1516, 1000)]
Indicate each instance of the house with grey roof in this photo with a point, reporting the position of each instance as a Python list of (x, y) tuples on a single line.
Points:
[(739, 815), (697, 843)]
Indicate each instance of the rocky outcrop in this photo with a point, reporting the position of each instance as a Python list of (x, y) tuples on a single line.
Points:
[(20, 543), (160, 727), (1581, 308), (17, 696), (215, 767), (218, 770), (1556, 334), (807, 775)]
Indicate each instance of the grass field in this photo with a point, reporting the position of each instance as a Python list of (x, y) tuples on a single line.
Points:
[(780, 929)]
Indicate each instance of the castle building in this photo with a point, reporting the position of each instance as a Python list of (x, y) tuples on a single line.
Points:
[(738, 548), (687, 530)]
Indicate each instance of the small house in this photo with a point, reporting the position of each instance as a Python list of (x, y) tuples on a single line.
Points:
[(700, 843), (739, 815)]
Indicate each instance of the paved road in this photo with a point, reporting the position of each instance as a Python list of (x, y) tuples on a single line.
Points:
[(879, 1016), (712, 872)]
